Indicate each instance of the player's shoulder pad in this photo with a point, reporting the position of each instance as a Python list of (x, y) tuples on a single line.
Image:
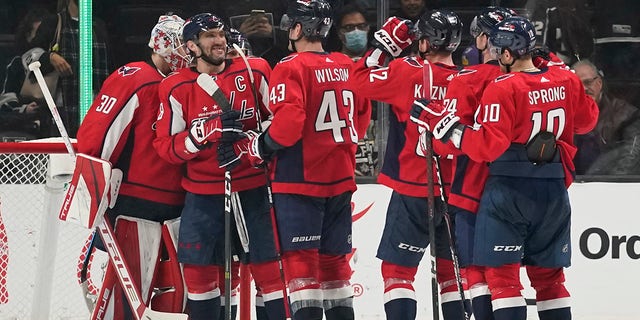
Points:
[(504, 77), (412, 61)]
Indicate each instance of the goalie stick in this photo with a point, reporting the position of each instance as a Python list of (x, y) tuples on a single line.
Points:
[(427, 83), (276, 239), (141, 312), (211, 87)]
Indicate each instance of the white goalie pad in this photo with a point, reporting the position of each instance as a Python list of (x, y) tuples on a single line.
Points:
[(94, 186), (140, 243)]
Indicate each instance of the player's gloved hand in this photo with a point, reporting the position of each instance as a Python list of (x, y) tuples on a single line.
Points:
[(395, 35), (434, 115), (542, 57), (230, 153), (220, 127)]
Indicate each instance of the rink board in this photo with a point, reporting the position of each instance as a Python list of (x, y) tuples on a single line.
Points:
[(603, 278)]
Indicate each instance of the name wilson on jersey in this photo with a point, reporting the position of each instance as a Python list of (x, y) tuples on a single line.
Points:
[(332, 75)]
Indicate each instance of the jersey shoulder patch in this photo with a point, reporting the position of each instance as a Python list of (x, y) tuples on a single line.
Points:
[(503, 77), (466, 72), (412, 62), (288, 58), (127, 70)]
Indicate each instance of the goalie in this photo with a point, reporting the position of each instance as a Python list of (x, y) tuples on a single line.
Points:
[(120, 128)]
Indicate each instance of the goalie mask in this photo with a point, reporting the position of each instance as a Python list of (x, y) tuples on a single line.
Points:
[(166, 41)]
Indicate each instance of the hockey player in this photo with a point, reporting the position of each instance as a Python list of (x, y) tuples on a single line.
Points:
[(404, 169), (527, 119), (119, 127), (190, 127), (468, 177), (314, 125)]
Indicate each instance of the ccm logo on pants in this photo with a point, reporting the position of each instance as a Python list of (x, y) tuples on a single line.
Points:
[(507, 248)]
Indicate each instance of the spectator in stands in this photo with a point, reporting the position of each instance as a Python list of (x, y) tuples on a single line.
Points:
[(613, 147), (259, 20), (353, 31), (18, 111), (62, 56)]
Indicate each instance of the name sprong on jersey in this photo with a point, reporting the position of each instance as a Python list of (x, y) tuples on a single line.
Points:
[(546, 95)]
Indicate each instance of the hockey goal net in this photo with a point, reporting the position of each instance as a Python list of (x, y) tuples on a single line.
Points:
[(40, 254)]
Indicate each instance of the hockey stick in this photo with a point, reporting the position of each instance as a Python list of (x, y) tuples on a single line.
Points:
[(211, 87), (35, 67), (452, 242), (276, 238), (427, 83), (133, 294)]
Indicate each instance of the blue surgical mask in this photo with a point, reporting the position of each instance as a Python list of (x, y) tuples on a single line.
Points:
[(355, 40)]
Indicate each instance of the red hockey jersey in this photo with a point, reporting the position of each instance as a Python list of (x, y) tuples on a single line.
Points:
[(404, 168), (464, 94), (317, 119), (182, 102), (120, 127), (516, 106)]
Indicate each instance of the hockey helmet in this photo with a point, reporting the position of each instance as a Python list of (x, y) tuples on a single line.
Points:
[(487, 18), (199, 23), (234, 36), (516, 34), (166, 41), (313, 15), (442, 28)]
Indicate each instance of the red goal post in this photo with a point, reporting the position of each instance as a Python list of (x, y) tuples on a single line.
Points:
[(40, 254)]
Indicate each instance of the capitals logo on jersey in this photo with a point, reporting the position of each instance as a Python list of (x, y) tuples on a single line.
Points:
[(127, 71)]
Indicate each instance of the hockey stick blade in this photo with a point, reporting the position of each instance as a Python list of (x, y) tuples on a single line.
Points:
[(211, 87)]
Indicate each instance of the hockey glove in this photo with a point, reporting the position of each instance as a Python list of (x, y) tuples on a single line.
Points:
[(395, 35), (542, 57), (429, 115), (221, 127), (230, 153)]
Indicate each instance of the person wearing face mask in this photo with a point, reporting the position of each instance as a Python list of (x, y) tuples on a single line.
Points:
[(353, 31)]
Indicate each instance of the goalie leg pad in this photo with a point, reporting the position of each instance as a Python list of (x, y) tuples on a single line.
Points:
[(168, 282), (140, 243)]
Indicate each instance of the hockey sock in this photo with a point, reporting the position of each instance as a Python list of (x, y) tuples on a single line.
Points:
[(301, 269), (261, 312), (480, 294), (506, 298), (399, 299), (234, 307), (552, 297), (271, 287), (337, 292), (204, 309), (451, 304)]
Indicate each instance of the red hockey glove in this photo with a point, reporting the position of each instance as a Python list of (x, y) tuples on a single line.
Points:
[(220, 127), (395, 35), (230, 153), (429, 115), (542, 57)]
